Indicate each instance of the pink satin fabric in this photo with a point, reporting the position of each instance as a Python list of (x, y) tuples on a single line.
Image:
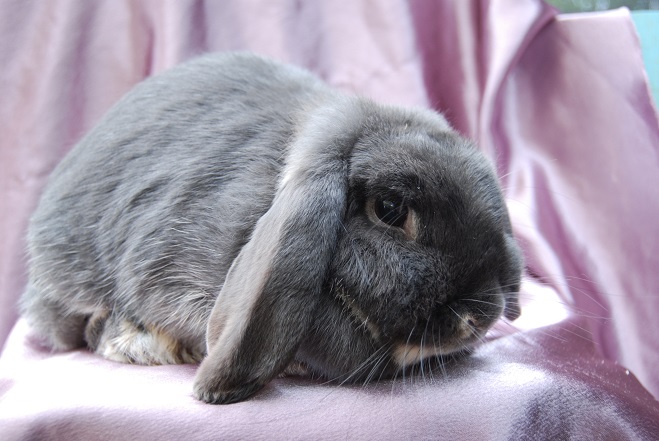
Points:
[(561, 105)]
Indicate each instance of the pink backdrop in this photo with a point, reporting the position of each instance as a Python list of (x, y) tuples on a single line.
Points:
[(560, 103)]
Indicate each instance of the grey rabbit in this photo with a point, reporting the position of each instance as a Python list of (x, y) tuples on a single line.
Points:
[(239, 212)]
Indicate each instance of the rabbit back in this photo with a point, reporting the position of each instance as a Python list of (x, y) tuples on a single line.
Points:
[(146, 214)]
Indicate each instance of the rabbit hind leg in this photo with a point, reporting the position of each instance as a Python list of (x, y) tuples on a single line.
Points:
[(124, 340), (53, 324)]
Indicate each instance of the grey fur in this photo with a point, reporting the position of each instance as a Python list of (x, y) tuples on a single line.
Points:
[(218, 213)]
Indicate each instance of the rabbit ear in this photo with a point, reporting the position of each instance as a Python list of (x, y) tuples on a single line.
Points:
[(266, 305)]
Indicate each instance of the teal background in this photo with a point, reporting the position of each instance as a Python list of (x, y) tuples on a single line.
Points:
[(647, 25)]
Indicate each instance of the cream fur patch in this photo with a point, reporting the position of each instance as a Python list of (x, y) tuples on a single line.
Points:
[(132, 344)]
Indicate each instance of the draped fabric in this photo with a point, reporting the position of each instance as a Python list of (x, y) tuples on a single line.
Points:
[(561, 105)]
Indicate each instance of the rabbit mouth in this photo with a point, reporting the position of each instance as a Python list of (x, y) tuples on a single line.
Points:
[(408, 354), (467, 333)]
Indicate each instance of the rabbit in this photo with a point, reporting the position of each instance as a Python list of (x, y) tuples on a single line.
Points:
[(240, 213)]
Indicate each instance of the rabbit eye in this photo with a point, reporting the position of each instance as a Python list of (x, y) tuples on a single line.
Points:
[(390, 212)]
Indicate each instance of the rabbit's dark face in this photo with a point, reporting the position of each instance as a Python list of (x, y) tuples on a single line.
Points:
[(426, 262)]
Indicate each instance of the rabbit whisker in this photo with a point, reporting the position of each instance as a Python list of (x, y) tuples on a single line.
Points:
[(380, 352)]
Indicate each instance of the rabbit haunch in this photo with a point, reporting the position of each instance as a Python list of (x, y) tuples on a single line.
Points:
[(239, 212)]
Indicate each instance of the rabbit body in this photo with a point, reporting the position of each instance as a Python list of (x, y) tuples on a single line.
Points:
[(238, 211), (145, 216)]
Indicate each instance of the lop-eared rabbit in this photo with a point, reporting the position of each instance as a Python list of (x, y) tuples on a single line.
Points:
[(240, 213)]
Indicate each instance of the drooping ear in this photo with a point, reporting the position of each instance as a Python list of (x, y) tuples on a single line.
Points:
[(268, 299)]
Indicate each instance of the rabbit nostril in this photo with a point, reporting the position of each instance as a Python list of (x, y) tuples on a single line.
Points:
[(470, 321), (469, 326)]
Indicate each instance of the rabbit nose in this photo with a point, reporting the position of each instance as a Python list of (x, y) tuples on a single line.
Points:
[(468, 326)]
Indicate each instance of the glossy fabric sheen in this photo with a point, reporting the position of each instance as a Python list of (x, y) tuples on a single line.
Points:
[(559, 102)]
